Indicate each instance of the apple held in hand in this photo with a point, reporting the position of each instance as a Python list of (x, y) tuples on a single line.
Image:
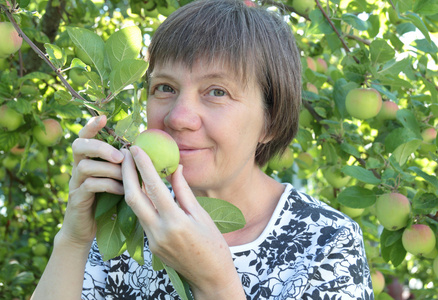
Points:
[(161, 148), (9, 118), (10, 40), (393, 211), (50, 135), (419, 239), (363, 103)]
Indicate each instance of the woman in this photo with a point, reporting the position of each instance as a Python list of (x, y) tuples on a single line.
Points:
[(224, 82)]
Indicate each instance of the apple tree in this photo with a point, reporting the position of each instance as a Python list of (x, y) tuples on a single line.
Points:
[(367, 142)]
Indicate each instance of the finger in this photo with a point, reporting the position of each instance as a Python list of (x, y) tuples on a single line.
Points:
[(93, 168), (134, 196), (82, 195), (83, 148), (93, 126), (154, 187), (183, 192)]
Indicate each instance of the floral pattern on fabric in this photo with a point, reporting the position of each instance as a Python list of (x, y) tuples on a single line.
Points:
[(307, 251)]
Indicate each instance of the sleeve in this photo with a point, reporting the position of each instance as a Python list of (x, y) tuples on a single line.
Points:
[(96, 271), (341, 269)]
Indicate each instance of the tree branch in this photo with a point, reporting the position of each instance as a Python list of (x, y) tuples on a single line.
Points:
[(344, 44)]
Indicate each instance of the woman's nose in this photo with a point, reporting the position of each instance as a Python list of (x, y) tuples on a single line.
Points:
[(184, 114)]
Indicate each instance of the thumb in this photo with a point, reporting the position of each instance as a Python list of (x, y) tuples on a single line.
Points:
[(183, 193)]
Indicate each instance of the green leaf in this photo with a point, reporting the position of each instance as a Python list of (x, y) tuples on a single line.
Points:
[(398, 137), (77, 63), (23, 278), (93, 46), (394, 67), (56, 55), (418, 22), (357, 197), (127, 128), (429, 178), (135, 244), (425, 202), (225, 215), (361, 174), (157, 264), (177, 282), (402, 152), (426, 7), (340, 91), (127, 219), (67, 111), (381, 52), (62, 97), (355, 21), (409, 121), (8, 140), (105, 202), (126, 73), (350, 149), (123, 44), (109, 237)]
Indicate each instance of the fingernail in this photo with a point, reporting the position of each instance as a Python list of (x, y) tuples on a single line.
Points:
[(117, 156), (134, 150), (97, 120)]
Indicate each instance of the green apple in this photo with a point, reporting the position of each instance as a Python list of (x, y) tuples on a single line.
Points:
[(418, 239), (303, 7), (161, 148), (321, 65), (311, 64), (10, 162), (61, 179), (78, 77), (335, 177), (393, 211), (388, 111), (10, 39), (281, 162), (40, 249), (50, 135), (378, 281), (304, 160), (9, 118), (432, 254), (305, 118), (166, 11), (352, 212), (363, 103)]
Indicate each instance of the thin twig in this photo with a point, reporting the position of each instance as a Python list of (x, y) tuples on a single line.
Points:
[(344, 44), (359, 39)]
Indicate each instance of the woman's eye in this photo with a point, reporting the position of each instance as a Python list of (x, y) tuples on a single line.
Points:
[(164, 88), (217, 93)]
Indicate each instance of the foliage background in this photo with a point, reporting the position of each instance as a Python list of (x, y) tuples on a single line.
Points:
[(388, 45)]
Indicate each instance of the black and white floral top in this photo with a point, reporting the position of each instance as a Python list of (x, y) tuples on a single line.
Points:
[(308, 250)]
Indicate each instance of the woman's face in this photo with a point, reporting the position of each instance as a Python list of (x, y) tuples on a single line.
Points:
[(216, 119)]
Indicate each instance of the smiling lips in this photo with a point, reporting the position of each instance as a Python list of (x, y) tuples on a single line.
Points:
[(187, 150)]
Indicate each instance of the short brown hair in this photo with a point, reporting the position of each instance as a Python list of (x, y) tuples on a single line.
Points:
[(249, 40)]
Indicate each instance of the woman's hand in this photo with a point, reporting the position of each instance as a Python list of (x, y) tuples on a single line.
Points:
[(181, 233), (90, 176)]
